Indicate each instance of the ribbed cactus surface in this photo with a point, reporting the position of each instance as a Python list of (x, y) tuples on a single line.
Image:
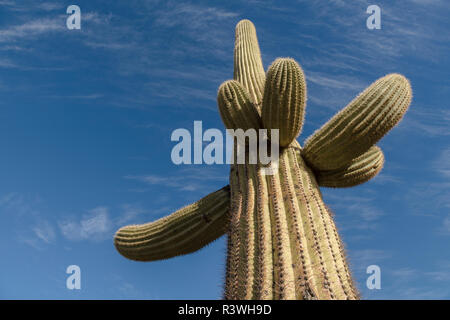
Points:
[(357, 171), (360, 125), (182, 232), (284, 99), (236, 108), (248, 67), (283, 243), (282, 239)]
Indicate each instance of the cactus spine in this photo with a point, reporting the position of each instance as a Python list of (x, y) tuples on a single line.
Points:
[(282, 239)]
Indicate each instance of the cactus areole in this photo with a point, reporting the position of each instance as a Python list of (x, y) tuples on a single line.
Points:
[(282, 239)]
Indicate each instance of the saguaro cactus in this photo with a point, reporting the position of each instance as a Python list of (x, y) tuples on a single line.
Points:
[(282, 240)]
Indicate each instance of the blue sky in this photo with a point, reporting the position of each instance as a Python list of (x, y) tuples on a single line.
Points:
[(86, 117)]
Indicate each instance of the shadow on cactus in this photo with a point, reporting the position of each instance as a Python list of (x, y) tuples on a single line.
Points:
[(282, 240)]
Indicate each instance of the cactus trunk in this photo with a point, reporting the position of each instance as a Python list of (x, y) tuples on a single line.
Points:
[(282, 240)]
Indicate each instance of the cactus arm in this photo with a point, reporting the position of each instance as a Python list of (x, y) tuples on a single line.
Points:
[(358, 171), (248, 67), (284, 100), (236, 107), (184, 231), (357, 127)]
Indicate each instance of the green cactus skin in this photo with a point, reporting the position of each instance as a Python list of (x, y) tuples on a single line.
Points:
[(359, 170), (284, 99), (184, 231), (236, 107), (282, 239), (283, 243), (248, 67), (357, 127)]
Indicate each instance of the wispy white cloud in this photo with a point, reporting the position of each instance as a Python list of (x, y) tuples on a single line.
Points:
[(430, 121), (440, 275), (28, 6), (185, 180), (127, 290), (355, 212), (191, 15), (384, 178), (97, 31), (50, 6), (91, 96), (442, 163), (445, 229), (31, 29), (336, 82), (38, 236), (196, 21), (129, 213), (420, 293), (182, 94), (361, 259), (431, 196), (23, 213), (429, 2), (442, 189), (405, 273), (7, 63), (333, 91), (44, 231), (402, 32), (18, 204), (199, 28), (13, 48), (414, 283), (96, 225)]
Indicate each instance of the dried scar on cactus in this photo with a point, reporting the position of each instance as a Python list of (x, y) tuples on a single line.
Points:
[(282, 239)]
